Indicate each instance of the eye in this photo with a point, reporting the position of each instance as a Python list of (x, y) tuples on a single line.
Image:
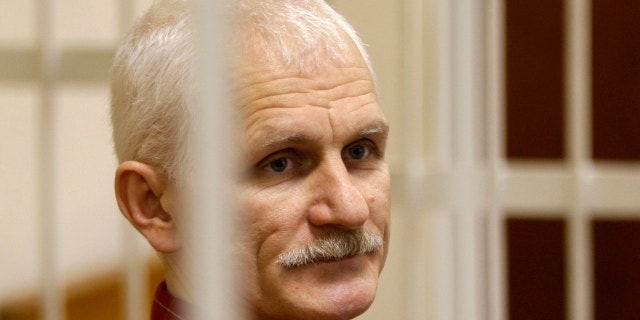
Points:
[(279, 165), (358, 152)]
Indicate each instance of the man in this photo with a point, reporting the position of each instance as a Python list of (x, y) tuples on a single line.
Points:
[(315, 189)]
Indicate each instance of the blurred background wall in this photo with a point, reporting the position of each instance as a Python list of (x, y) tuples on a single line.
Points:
[(88, 232), (515, 152)]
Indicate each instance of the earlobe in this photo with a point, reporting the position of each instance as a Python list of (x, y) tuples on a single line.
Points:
[(142, 199)]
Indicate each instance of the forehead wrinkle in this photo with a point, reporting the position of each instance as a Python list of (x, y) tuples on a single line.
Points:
[(325, 98), (369, 124), (258, 90), (252, 76), (256, 115), (270, 123), (256, 87), (355, 102)]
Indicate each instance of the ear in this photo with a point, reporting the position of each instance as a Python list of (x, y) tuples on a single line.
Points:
[(143, 198)]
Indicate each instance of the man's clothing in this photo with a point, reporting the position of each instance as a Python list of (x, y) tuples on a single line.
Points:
[(167, 307)]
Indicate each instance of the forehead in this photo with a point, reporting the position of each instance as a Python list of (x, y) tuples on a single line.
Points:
[(264, 88), (280, 104), (259, 76)]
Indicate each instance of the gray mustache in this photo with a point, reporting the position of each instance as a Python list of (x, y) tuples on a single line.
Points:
[(333, 246)]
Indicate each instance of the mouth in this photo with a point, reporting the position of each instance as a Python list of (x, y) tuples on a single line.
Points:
[(327, 261), (335, 259)]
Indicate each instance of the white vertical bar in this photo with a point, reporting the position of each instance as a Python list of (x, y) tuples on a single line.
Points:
[(413, 86), (413, 98), (445, 152), (467, 102), (444, 102), (496, 300), (440, 167), (135, 276), (578, 75), (52, 299), (211, 210), (441, 123)]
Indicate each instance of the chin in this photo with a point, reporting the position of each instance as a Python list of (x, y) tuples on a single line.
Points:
[(344, 312), (338, 301), (335, 290), (338, 310)]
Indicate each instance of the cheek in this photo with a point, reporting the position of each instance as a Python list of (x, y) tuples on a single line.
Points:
[(378, 198), (253, 226), (269, 217), (378, 195), (252, 233)]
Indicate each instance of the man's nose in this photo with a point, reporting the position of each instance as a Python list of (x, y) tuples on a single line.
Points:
[(338, 198)]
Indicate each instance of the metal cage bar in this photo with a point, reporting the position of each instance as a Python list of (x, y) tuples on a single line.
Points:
[(578, 106), (467, 141), (496, 160), (211, 205), (135, 277), (49, 51), (413, 101)]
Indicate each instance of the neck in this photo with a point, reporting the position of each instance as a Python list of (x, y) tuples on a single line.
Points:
[(178, 282)]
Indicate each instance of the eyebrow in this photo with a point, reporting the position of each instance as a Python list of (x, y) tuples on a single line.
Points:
[(284, 139), (289, 138), (378, 129)]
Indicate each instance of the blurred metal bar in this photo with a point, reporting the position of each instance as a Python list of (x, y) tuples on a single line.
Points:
[(52, 292), (438, 136), (468, 106), (211, 210), (444, 96), (578, 144), (135, 276), (496, 160), (413, 101), (75, 66), (20, 65)]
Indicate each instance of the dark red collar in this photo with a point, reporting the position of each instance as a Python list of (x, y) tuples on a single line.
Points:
[(167, 307)]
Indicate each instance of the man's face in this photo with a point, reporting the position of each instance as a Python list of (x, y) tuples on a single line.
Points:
[(315, 146)]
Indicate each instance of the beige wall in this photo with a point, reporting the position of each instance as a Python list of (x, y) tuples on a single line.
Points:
[(89, 226)]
